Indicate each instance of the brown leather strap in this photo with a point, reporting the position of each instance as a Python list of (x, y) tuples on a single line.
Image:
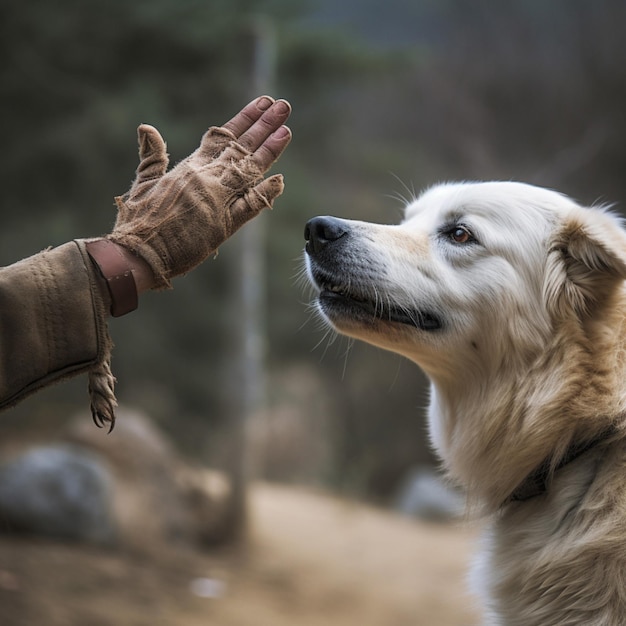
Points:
[(119, 277)]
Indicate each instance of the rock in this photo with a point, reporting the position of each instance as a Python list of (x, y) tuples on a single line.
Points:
[(130, 487), (158, 496), (57, 491)]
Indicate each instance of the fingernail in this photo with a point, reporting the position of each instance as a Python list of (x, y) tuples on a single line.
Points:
[(281, 133), (264, 103), (282, 107)]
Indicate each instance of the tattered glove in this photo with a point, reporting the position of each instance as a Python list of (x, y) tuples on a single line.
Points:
[(175, 220)]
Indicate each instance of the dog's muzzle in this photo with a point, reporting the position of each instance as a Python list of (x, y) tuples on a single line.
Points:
[(344, 295)]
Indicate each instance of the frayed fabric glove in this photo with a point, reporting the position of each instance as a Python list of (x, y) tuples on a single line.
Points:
[(174, 220)]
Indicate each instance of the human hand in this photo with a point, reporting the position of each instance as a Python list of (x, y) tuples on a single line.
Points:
[(174, 220)]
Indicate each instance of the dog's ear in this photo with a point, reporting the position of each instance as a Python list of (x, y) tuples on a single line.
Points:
[(586, 263)]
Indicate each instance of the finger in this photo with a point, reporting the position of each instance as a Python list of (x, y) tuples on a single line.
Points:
[(153, 159), (245, 169), (267, 124), (260, 197), (269, 151), (213, 143), (248, 115)]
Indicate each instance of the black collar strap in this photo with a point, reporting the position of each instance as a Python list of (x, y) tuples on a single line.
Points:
[(537, 482)]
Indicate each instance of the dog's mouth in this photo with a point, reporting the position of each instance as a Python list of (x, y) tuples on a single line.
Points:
[(338, 301)]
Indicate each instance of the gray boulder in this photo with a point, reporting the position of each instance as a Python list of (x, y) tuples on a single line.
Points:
[(57, 491)]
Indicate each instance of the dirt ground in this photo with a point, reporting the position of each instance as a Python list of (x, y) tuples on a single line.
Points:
[(311, 560)]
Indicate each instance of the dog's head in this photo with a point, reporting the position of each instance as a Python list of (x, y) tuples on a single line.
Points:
[(473, 285)]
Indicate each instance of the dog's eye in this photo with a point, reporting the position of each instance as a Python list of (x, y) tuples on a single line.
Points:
[(460, 234)]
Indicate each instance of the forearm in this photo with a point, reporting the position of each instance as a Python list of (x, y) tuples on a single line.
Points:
[(53, 313), (144, 278), (110, 259)]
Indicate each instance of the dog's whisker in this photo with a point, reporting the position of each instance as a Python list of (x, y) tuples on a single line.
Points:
[(313, 314), (345, 357), (377, 301), (328, 335), (388, 306), (411, 194), (397, 196)]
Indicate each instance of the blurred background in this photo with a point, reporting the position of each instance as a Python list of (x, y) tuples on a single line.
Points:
[(232, 368)]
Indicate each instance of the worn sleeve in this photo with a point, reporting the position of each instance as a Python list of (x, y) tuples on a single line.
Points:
[(52, 321)]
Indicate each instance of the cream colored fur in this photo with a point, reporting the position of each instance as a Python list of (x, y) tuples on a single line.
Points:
[(529, 359)]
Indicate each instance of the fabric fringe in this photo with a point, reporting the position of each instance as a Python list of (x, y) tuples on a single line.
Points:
[(102, 391)]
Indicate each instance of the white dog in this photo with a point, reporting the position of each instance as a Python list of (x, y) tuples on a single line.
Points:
[(511, 299)]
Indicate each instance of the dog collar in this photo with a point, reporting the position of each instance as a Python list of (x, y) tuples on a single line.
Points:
[(538, 481)]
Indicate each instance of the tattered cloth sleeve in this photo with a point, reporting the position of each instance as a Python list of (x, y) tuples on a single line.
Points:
[(53, 325)]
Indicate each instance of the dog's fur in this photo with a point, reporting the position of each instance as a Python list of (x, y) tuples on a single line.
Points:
[(511, 299)]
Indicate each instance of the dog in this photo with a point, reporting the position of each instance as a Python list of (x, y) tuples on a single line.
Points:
[(511, 298)]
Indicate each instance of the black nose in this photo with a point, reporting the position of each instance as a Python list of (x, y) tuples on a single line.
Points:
[(320, 231)]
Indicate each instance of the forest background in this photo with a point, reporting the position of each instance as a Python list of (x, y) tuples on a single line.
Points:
[(387, 99)]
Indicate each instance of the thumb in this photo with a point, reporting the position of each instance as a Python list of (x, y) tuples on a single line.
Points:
[(153, 158), (255, 200)]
